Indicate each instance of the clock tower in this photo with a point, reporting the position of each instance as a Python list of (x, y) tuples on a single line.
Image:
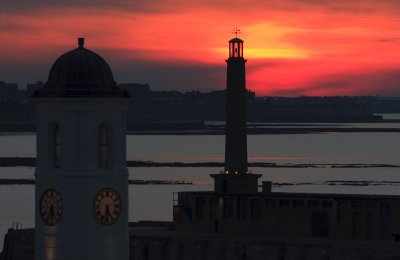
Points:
[(81, 204)]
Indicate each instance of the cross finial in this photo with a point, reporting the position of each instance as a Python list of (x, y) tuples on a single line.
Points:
[(236, 31)]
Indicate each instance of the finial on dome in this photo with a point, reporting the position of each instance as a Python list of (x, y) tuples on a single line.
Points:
[(81, 42), (236, 31)]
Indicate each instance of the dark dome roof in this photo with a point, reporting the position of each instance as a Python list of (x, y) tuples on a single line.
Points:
[(236, 40), (80, 73)]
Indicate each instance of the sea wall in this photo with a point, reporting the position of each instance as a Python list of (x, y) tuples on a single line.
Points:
[(228, 247), (159, 242)]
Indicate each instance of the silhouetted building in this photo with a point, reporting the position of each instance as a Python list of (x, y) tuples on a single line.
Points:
[(163, 106), (314, 109), (140, 94), (9, 92), (236, 206), (235, 179), (235, 133), (81, 191), (32, 87)]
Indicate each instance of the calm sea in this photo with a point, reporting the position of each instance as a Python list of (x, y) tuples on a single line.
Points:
[(154, 202)]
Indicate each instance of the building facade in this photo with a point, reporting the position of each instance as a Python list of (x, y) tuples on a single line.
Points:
[(81, 205), (301, 215)]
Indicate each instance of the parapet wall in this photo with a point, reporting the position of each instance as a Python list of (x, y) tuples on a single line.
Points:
[(227, 247), (161, 243)]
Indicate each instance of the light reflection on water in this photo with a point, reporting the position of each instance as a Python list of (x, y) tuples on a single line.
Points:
[(154, 202), (277, 175), (389, 116), (295, 148), (18, 145), (301, 148), (329, 125)]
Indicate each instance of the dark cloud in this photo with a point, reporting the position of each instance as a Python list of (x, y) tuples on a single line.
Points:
[(135, 6), (352, 7), (389, 40), (161, 6), (11, 27), (163, 76), (382, 82), (189, 76), (136, 66), (159, 74)]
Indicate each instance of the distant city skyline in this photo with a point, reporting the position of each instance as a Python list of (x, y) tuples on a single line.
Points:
[(293, 47)]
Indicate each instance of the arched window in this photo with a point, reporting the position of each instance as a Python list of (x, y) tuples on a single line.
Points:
[(55, 145), (104, 145)]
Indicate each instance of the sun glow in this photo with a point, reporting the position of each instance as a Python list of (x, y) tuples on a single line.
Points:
[(259, 53), (277, 53), (293, 48)]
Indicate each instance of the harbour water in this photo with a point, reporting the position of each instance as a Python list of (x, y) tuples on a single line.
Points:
[(154, 202)]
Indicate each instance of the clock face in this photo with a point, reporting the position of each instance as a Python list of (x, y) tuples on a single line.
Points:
[(107, 206), (51, 207)]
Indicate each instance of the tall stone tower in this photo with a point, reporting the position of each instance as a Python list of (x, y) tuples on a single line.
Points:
[(235, 133), (236, 178), (81, 205)]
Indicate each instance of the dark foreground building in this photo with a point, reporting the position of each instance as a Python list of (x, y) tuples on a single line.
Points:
[(237, 207)]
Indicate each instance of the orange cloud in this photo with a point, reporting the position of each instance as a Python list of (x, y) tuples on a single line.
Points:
[(294, 47)]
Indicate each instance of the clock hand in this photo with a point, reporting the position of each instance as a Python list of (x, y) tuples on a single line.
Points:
[(107, 210), (51, 212)]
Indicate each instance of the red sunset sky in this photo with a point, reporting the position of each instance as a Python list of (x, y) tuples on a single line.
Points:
[(293, 47)]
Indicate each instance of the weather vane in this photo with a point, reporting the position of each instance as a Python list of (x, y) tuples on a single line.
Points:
[(236, 31)]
